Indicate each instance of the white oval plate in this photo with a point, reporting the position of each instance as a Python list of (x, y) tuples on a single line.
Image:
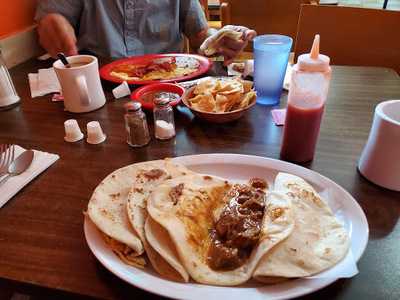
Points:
[(238, 167)]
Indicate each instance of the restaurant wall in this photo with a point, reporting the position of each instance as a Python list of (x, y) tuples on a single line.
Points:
[(16, 16), (18, 36)]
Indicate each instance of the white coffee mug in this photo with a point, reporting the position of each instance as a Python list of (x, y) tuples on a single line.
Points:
[(380, 159), (80, 84)]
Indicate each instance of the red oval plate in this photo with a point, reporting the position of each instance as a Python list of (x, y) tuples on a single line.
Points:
[(157, 87), (204, 65)]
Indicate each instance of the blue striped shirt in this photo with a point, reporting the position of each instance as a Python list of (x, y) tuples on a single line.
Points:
[(119, 28)]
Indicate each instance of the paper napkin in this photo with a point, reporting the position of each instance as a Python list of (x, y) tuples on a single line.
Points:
[(41, 161), (279, 115), (44, 82)]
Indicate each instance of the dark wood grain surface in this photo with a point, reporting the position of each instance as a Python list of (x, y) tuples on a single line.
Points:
[(42, 245)]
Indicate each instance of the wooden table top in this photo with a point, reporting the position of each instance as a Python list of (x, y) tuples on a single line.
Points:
[(42, 245)]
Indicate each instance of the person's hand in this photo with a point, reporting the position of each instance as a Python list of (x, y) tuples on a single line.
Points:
[(57, 35), (229, 41)]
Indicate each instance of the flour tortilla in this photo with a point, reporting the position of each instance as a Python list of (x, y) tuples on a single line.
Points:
[(137, 215), (189, 219), (318, 241), (212, 47), (167, 263), (107, 206)]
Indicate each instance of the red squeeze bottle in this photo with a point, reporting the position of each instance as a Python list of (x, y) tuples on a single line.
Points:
[(306, 101)]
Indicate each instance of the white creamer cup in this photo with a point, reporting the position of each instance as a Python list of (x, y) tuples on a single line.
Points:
[(380, 159), (72, 131), (122, 90), (95, 134)]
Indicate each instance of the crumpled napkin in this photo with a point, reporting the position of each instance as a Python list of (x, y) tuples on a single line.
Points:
[(44, 82), (41, 161)]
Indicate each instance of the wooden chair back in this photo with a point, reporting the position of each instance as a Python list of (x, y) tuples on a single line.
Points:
[(264, 16), (351, 36)]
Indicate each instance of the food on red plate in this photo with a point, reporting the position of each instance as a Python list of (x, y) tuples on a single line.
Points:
[(141, 70), (161, 68)]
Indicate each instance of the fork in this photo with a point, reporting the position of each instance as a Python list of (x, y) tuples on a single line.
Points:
[(7, 152)]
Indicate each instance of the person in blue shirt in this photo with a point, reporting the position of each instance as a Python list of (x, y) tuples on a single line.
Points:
[(121, 28)]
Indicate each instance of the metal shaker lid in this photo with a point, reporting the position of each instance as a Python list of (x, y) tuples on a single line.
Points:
[(133, 106)]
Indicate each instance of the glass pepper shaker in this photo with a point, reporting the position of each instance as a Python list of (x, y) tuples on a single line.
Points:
[(136, 125), (164, 125)]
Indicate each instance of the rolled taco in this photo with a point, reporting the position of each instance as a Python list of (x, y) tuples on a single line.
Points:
[(318, 241), (219, 230)]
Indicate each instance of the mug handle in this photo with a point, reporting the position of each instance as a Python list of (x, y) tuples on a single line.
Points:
[(83, 90)]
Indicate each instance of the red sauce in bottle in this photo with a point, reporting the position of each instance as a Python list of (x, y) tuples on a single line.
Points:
[(306, 101), (301, 132)]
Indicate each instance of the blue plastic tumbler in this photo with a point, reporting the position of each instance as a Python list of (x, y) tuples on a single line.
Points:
[(271, 54)]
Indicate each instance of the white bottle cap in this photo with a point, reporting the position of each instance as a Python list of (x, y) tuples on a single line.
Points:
[(313, 61), (72, 131), (95, 134)]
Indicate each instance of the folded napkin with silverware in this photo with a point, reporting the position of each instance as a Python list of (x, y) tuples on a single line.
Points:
[(12, 185)]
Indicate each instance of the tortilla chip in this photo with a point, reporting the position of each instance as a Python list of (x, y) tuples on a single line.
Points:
[(205, 86), (247, 85), (222, 95), (196, 99), (205, 103), (217, 87), (231, 87), (232, 99), (222, 103), (247, 99)]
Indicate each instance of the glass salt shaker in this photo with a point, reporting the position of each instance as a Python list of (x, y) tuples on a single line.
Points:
[(136, 125), (164, 125), (8, 95)]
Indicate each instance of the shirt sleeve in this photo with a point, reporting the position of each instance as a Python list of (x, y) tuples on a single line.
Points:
[(192, 17), (70, 9)]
